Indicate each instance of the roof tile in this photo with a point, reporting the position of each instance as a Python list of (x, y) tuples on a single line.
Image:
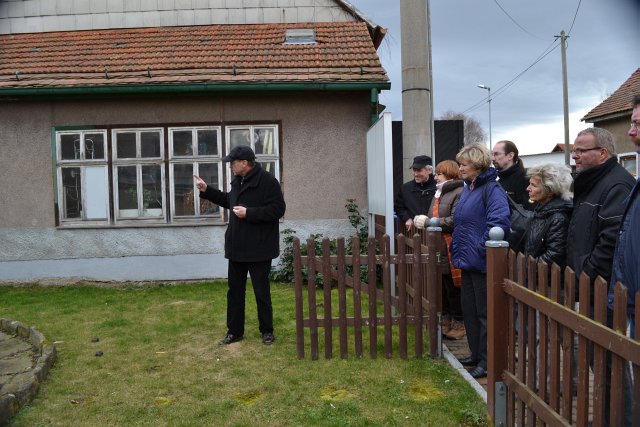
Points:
[(344, 52), (619, 101)]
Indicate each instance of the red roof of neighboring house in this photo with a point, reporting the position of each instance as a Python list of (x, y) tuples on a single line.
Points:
[(254, 53), (619, 101), (560, 148)]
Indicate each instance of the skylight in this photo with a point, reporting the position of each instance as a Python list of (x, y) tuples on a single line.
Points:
[(300, 36)]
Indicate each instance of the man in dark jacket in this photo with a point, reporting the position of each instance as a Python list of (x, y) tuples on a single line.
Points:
[(511, 174), (414, 197), (512, 177), (252, 238), (625, 261), (600, 188)]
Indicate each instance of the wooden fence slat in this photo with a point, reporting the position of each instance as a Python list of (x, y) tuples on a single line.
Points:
[(599, 374), (357, 295), (433, 292), (567, 349), (582, 410), (373, 318), (543, 284), (530, 316), (618, 370), (326, 288), (417, 299), (401, 269), (311, 290), (342, 297), (522, 349), (554, 345), (386, 285), (297, 273), (511, 361)]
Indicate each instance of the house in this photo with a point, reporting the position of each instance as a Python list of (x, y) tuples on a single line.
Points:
[(614, 114), (107, 109), (555, 156)]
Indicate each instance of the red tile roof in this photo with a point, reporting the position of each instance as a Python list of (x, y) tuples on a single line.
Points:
[(619, 101), (344, 53), (560, 148)]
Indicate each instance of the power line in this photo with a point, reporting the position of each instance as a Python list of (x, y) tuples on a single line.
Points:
[(510, 83), (574, 17), (516, 22)]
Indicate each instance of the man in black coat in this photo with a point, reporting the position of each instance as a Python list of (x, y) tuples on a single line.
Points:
[(511, 174), (415, 196), (512, 177), (252, 238), (600, 189)]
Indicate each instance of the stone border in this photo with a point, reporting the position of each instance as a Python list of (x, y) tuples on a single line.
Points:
[(22, 388)]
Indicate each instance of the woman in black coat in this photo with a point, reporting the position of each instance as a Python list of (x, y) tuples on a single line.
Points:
[(546, 238)]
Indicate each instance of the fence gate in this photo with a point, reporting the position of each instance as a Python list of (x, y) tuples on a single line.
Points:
[(360, 285)]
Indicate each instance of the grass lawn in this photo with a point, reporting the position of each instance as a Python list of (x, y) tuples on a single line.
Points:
[(161, 366)]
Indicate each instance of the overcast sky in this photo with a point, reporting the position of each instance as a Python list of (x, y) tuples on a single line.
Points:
[(475, 42)]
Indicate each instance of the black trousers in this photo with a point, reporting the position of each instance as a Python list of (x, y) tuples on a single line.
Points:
[(473, 297), (451, 298), (259, 272)]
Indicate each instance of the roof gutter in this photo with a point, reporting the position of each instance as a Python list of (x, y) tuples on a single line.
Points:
[(201, 88)]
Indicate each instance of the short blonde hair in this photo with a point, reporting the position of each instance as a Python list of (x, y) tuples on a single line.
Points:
[(555, 179), (477, 155)]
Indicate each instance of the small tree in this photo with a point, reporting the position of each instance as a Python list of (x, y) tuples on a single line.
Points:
[(473, 131)]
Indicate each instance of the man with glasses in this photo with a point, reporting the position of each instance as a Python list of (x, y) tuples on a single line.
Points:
[(599, 189), (415, 196)]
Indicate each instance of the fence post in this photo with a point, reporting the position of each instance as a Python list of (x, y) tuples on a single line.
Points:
[(497, 318), (434, 287), (297, 274)]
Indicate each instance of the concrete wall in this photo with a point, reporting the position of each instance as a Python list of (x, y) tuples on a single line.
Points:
[(34, 16), (323, 164)]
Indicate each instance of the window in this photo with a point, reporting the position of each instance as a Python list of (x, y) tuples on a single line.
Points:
[(193, 151), (630, 162), (264, 142), (82, 178), (132, 176), (138, 174)]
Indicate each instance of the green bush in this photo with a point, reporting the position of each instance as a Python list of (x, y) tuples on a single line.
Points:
[(284, 272)]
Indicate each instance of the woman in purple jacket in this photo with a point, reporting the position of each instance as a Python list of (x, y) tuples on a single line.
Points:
[(483, 205)]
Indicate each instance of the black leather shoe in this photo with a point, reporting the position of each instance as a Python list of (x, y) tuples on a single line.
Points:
[(478, 372), (468, 361), (268, 338), (229, 339)]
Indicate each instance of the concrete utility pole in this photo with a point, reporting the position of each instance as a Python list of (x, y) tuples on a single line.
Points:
[(565, 97), (416, 82)]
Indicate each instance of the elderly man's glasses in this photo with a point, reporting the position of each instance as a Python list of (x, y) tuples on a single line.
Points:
[(636, 126), (581, 151)]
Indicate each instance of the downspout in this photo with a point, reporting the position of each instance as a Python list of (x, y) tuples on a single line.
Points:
[(374, 106)]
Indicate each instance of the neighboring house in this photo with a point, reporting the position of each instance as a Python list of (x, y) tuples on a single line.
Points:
[(555, 156), (107, 109), (614, 114)]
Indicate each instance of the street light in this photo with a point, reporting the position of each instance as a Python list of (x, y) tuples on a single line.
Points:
[(489, 89)]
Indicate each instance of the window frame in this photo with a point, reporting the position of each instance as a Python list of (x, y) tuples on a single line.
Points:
[(260, 158), (139, 162), (82, 163), (194, 160)]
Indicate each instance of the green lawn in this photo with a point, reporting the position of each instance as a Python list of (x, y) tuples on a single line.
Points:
[(161, 366)]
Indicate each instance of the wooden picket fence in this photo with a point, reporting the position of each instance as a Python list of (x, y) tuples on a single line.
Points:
[(532, 327), (406, 307)]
